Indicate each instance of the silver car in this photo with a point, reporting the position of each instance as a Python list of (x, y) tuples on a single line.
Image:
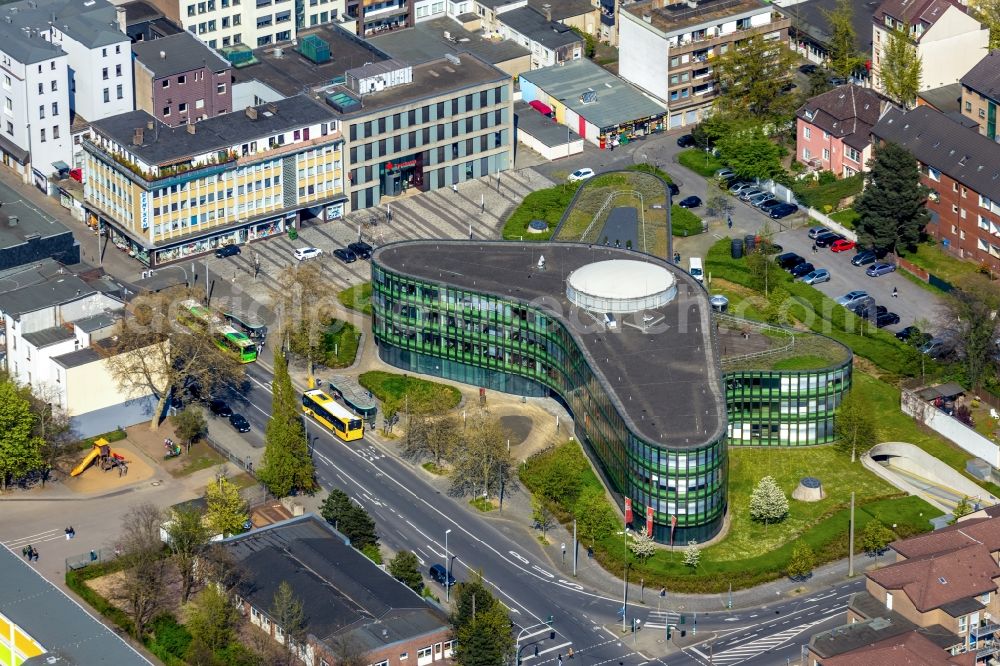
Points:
[(759, 199), (739, 188), (745, 195)]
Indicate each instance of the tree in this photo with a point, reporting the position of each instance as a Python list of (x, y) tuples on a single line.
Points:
[(302, 307), (141, 586), (212, 619), (405, 568), (188, 538), (988, 12), (855, 425), (155, 353), (287, 613), (718, 205), (430, 436), (750, 78), (189, 424), (750, 153), (541, 515), (349, 519), (482, 465), (892, 208), (875, 538), (227, 510), (963, 508), (844, 56), (819, 82), (768, 503), (901, 68), (692, 555), (286, 464), (348, 650), (21, 451), (642, 546), (482, 626), (471, 597), (802, 562), (969, 316), (595, 518)]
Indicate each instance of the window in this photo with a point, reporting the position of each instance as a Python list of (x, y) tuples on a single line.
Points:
[(888, 600), (968, 105), (182, 107), (807, 132), (826, 153), (165, 83), (104, 73), (54, 86), (199, 104), (982, 113), (963, 624), (190, 10), (55, 109), (41, 134), (118, 70), (107, 95), (853, 155), (166, 111), (220, 88), (181, 80), (806, 154), (41, 88), (41, 110), (119, 91), (984, 598), (404, 656), (10, 128), (55, 131)]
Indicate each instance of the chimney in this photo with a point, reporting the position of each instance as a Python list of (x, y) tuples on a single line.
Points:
[(163, 55), (547, 8), (272, 107), (12, 221), (137, 136), (121, 19), (648, 18), (190, 128), (251, 113)]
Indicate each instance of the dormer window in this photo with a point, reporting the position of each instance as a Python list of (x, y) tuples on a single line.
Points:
[(889, 22)]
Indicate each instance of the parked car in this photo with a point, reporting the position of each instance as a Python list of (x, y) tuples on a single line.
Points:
[(880, 268), (886, 319), (439, 574), (817, 276), (674, 190), (782, 210), (685, 141), (788, 86), (801, 270), (864, 257), (745, 195), (303, 253), (768, 205), (937, 348), (788, 260), (913, 335), (843, 245), (362, 249), (808, 68), (220, 408), (345, 255), (581, 174), (239, 422), (741, 186), (724, 174), (827, 240), (837, 81), (818, 231), (852, 297), (866, 308), (690, 202), (757, 200), (227, 251)]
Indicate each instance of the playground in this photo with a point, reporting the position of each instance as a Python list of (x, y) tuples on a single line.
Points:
[(108, 466)]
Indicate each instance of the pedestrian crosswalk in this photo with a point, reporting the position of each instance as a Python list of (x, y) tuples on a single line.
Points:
[(749, 647), (39, 537), (660, 619)]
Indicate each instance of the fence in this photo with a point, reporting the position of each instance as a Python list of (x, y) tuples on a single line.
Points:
[(831, 224), (96, 556), (924, 275)]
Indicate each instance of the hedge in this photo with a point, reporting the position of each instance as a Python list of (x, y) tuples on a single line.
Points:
[(700, 161), (819, 196), (649, 168), (548, 204), (394, 387), (683, 222)]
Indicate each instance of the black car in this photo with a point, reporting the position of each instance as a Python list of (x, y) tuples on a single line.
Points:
[(784, 210), (866, 309), (220, 408), (345, 255), (801, 270), (227, 251), (808, 68), (239, 422), (768, 206), (789, 260), (788, 86), (685, 141), (826, 240), (674, 190), (886, 319), (913, 335), (864, 257), (690, 202), (361, 249)]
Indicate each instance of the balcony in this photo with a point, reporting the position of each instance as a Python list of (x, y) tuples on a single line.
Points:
[(710, 41), (984, 630)]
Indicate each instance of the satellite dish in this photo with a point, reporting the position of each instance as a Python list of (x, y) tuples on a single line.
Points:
[(541, 262)]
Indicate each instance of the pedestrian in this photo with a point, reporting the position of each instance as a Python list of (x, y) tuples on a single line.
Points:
[(559, 659), (895, 293), (34, 553), (25, 551), (454, 188), (729, 221), (815, 249), (66, 532), (569, 653), (72, 532)]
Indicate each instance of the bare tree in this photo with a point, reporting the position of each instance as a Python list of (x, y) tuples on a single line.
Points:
[(348, 651), (482, 463), (288, 615), (303, 305), (155, 352), (142, 583), (970, 315), (188, 539), (431, 436)]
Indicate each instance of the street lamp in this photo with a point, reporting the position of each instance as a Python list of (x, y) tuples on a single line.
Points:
[(447, 568)]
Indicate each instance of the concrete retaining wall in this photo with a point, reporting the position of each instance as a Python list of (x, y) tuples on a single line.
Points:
[(962, 435)]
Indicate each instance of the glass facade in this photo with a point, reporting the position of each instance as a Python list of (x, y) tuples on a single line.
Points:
[(505, 345)]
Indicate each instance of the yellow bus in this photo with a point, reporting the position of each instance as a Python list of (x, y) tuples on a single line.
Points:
[(330, 413)]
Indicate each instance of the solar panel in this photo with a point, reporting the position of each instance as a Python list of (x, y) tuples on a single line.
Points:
[(589, 97)]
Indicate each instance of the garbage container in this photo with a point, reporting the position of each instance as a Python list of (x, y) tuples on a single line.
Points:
[(737, 248), (749, 243)]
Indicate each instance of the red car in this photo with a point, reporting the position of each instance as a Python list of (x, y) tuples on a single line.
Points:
[(843, 245)]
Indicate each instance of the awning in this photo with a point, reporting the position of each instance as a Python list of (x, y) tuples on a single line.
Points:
[(541, 108)]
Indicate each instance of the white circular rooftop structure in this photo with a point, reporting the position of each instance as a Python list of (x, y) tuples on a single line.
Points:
[(621, 286)]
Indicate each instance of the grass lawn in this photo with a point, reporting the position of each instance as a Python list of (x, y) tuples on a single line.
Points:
[(202, 456), (846, 217), (340, 344), (806, 362), (934, 260), (829, 195), (358, 297), (389, 386), (683, 222), (700, 161), (548, 204), (649, 168)]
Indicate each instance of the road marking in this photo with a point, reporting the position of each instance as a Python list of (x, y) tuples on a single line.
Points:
[(546, 651), (575, 586), (542, 571), (698, 652), (518, 556), (41, 537)]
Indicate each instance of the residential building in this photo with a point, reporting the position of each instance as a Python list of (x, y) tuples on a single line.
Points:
[(580, 14), (375, 17), (593, 102), (253, 23), (346, 598), (947, 39), (27, 236), (144, 22), (961, 167), (179, 80), (43, 625), (550, 43), (667, 50), (833, 130), (946, 99), (809, 34), (169, 193), (980, 94)]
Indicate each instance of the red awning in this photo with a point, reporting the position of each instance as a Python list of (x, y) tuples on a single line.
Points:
[(541, 108)]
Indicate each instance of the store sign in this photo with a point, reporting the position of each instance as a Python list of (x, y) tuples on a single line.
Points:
[(144, 208), (401, 165), (649, 521), (335, 211)]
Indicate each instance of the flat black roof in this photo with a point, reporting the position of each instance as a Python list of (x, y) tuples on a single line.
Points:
[(177, 54), (427, 40), (667, 385), (542, 128)]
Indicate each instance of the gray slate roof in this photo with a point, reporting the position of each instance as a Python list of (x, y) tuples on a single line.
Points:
[(426, 41), (48, 336), (935, 140), (560, 10), (181, 53), (847, 112), (97, 322), (810, 17), (617, 101), (92, 24), (62, 289), (165, 145), (77, 358), (536, 27), (58, 623), (946, 99), (984, 78), (343, 593)]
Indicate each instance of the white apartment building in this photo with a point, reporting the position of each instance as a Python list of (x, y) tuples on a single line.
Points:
[(60, 60), (253, 23)]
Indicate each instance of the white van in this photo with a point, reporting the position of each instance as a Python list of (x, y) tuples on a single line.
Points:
[(694, 268)]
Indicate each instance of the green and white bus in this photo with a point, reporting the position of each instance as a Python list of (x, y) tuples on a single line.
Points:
[(202, 319), (248, 323)]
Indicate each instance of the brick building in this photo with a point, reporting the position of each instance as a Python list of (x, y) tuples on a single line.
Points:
[(346, 598), (179, 80), (962, 169), (833, 130)]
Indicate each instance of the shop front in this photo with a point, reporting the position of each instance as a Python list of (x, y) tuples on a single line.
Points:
[(397, 176), (620, 135)]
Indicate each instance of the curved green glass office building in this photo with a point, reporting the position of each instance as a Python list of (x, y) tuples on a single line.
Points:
[(623, 340)]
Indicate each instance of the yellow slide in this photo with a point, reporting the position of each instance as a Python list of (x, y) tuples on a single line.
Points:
[(94, 453)]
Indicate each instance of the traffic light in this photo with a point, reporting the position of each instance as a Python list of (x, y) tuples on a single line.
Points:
[(536, 650), (668, 632), (552, 635), (682, 618)]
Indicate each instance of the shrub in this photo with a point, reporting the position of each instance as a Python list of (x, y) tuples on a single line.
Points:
[(169, 640), (817, 194), (684, 222), (700, 162), (548, 204), (392, 387)]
